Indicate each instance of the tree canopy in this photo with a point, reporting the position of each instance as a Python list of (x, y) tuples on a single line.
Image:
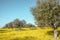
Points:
[(46, 12)]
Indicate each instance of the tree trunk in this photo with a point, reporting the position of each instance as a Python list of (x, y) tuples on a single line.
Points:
[(55, 34)]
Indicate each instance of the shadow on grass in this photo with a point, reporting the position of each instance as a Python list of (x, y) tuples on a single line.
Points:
[(52, 32), (25, 38), (4, 31)]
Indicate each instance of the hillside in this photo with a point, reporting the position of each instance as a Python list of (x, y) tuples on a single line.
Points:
[(27, 34)]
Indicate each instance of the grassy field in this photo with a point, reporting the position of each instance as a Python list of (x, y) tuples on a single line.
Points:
[(27, 34)]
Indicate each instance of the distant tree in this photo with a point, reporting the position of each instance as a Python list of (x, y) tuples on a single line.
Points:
[(47, 13), (10, 25), (24, 23), (16, 24), (6, 25), (30, 25)]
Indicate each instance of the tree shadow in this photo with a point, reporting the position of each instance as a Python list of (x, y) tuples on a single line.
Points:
[(3, 31), (52, 32), (30, 38), (25, 38)]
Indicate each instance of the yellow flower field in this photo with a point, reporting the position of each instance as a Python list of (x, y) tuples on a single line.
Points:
[(27, 34)]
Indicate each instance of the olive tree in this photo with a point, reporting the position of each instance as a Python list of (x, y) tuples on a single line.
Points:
[(47, 13)]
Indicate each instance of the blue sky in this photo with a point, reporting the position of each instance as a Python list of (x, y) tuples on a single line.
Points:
[(12, 9)]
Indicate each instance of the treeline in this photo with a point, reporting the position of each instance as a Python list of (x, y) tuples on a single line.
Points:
[(18, 24)]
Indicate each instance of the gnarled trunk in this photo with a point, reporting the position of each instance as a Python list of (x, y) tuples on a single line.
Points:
[(55, 31), (55, 34)]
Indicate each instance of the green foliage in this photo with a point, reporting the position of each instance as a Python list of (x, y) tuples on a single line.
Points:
[(18, 24), (30, 25), (46, 12), (15, 24)]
